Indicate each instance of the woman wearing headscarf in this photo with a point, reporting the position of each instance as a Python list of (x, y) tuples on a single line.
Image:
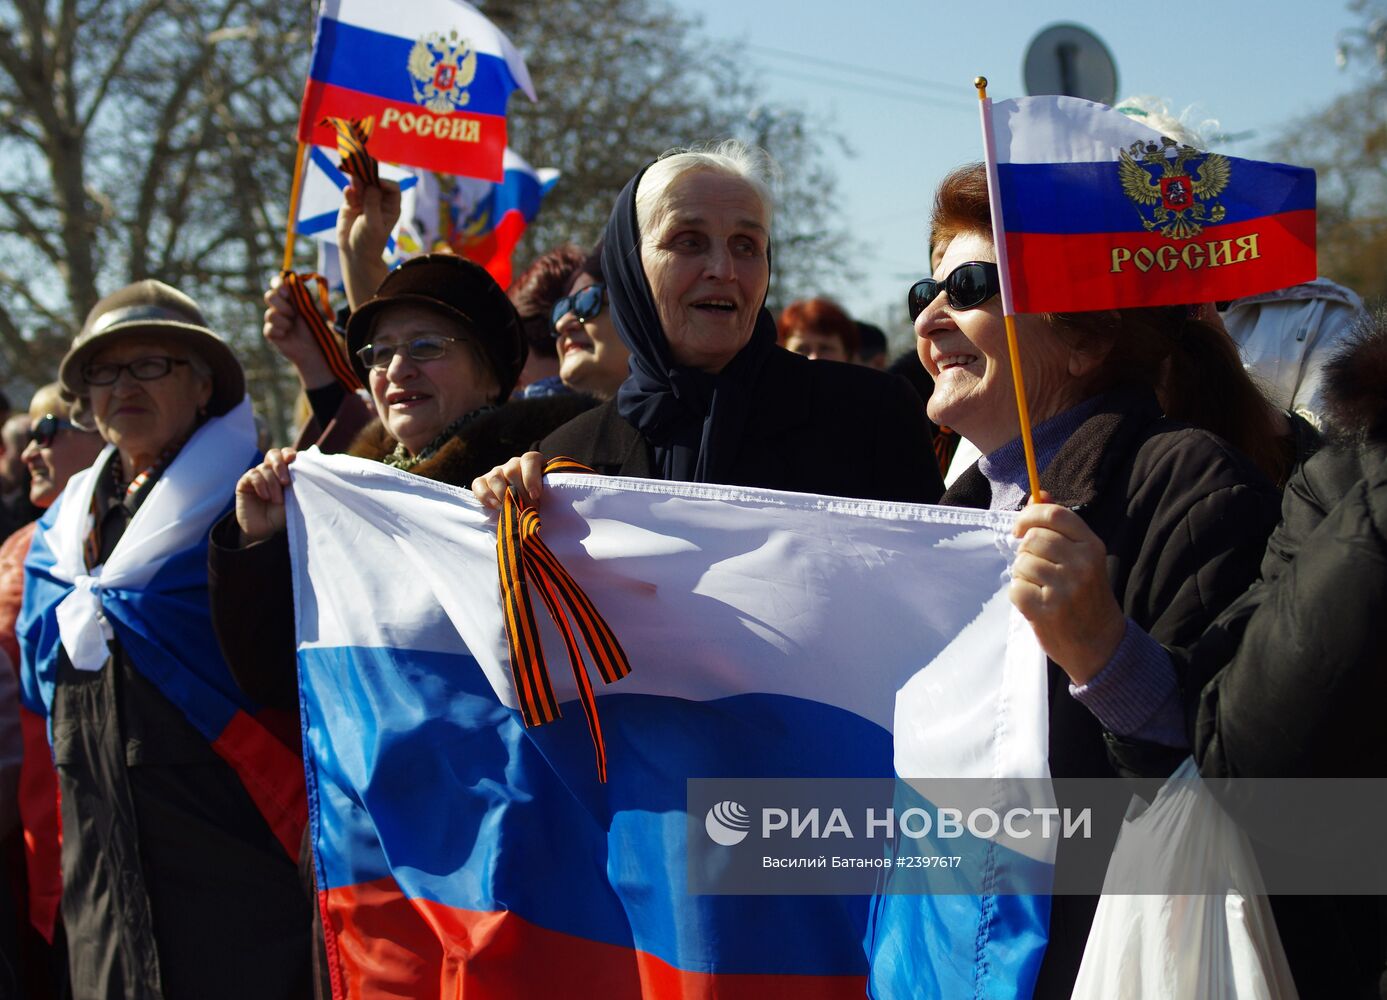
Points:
[(182, 801), (710, 397), (1151, 525)]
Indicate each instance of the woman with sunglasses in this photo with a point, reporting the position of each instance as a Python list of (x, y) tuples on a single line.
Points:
[(181, 800), (533, 294), (709, 396), (1150, 525), (592, 358), (57, 449)]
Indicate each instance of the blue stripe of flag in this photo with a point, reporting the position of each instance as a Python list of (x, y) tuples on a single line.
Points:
[(1074, 198), (489, 845), (373, 63)]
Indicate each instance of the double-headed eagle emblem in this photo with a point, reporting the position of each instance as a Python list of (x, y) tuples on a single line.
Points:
[(1173, 181), (442, 69)]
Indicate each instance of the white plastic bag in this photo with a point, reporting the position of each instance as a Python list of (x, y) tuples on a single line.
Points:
[(1169, 947)]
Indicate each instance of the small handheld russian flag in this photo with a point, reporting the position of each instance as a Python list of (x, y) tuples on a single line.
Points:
[(435, 74), (1094, 210)]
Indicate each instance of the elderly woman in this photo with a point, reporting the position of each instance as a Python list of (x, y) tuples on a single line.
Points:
[(440, 348), (1150, 527), (180, 805), (710, 397), (819, 329)]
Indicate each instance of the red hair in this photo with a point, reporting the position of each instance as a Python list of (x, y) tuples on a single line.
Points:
[(821, 315), (535, 292)]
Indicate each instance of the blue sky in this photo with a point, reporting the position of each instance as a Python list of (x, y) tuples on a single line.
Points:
[(1252, 65)]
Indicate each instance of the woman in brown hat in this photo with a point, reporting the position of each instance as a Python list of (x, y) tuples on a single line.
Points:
[(181, 802)]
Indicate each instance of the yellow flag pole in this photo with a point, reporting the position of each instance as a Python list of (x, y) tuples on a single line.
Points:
[(999, 239), (294, 192)]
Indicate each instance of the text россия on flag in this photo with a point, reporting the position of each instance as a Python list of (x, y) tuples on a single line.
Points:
[(435, 75), (1102, 212)]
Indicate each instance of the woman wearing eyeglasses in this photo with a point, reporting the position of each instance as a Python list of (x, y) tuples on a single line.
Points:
[(709, 396), (1151, 524), (181, 799)]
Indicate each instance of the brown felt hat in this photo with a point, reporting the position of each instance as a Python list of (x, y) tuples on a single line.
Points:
[(153, 308), (460, 289)]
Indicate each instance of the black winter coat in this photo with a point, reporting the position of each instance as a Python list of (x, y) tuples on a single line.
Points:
[(173, 884), (816, 427), (1291, 681), (1185, 518)]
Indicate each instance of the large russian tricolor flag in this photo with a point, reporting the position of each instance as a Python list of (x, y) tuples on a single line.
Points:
[(434, 74), (770, 635), (1102, 212)]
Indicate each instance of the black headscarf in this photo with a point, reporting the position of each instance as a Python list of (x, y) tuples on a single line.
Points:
[(694, 420)]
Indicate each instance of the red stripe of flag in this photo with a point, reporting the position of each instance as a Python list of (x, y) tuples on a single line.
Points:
[(1073, 273), (390, 945), (472, 146)]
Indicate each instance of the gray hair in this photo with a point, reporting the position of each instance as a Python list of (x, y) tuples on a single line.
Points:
[(731, 157)]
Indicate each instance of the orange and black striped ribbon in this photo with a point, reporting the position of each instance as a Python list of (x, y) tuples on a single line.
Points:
[(524, 558), (945, 444), (309, 294), (352, 136)]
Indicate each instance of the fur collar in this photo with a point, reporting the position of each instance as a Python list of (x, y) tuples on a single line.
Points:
[(1355, 385), (483, 443)]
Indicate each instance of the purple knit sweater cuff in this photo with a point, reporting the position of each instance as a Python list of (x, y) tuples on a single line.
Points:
[(1136, 694)]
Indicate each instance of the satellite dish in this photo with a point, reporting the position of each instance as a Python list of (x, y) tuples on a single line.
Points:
[(1069, 60)]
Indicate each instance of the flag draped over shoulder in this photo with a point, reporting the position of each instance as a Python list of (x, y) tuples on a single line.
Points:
[(769, 635), (1102, 212), (151, 594), (434, 74)]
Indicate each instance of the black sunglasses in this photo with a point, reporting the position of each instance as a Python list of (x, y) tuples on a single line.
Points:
[(585, 305), (968, 285), (43, 432)]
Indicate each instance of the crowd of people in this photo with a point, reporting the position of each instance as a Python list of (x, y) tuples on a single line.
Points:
[(1201, 569)]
